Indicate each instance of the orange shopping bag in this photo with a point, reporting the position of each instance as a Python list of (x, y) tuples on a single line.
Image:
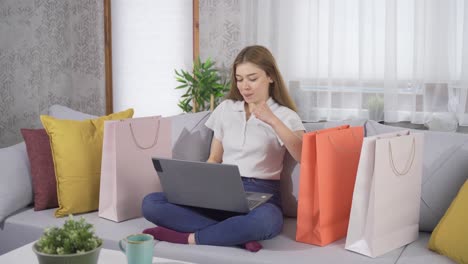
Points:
[(329, 162)]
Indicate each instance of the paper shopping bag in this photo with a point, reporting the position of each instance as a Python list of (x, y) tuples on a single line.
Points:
[(385, 207), (328, 169), (127, 171)]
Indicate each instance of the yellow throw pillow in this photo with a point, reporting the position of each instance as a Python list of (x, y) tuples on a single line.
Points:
[(76, 150), (450, 237)]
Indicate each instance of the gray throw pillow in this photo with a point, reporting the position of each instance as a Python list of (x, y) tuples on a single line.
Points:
[(191, 139), (15, 180), (289, 185), (374, 128), (313, 126), (350, 122), (445, 170)]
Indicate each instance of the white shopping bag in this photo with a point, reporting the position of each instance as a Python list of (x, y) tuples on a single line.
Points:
[(386, 199), (127, 171)]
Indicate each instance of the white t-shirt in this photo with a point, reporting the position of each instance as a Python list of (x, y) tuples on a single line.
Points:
[(252, 144)]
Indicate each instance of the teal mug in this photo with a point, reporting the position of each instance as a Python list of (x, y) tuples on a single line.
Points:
[(138, 248)]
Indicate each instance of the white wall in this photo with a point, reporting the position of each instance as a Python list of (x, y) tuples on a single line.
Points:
[(149, 40)]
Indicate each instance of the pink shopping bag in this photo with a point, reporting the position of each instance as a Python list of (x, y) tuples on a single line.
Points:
[(127, 171)]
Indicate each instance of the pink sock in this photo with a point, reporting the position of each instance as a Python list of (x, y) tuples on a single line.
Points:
[(168, 235), (253, 246)]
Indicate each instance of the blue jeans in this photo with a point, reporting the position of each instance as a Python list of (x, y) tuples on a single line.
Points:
[(220, 228)]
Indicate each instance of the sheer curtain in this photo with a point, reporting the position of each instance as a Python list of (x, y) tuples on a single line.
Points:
[(392, 60)]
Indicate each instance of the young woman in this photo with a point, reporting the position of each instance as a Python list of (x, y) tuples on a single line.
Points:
[(252, 129)]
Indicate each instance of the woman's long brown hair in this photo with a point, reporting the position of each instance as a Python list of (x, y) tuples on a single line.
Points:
[(262, 58)]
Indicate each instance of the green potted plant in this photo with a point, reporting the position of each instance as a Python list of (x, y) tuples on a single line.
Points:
[(375, 106), (74, 243), (205, 86)]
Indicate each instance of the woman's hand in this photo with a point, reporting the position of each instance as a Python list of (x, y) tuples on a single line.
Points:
[(263, 112), (291, 139)]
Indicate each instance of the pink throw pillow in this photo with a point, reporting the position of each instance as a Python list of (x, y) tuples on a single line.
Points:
[(42, 168)]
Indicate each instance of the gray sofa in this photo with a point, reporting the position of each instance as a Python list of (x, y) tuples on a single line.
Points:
[(444, 167)]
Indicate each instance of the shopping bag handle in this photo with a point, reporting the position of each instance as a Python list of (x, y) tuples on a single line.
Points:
[(409, 162), (340, 149), (155, 138)]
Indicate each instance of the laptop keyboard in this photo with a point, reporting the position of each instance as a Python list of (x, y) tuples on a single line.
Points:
[(253, 203)]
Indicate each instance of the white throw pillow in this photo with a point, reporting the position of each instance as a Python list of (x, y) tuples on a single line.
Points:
[(63, 112), (15, 180)]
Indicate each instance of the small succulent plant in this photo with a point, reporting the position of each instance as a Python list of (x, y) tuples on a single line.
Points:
[(73, 237)]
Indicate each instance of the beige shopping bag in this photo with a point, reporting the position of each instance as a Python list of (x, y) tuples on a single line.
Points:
[(385, 206), (127, 171)]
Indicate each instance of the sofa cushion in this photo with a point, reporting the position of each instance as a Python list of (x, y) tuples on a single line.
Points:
[(289, 179), (29, 225), (289, 185), (15, 180), (191, 139), (444, 170), (418, 253), (40, 158), (76, 150), (281, 249), (350, 122), (63, 112), (450, 237), (42, 168), (16, 190), (313, 126), (374, 128)]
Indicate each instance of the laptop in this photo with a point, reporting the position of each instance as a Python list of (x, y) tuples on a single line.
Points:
[(206, 185)]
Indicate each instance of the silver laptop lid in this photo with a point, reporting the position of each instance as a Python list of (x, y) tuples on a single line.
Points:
[(202, 184)]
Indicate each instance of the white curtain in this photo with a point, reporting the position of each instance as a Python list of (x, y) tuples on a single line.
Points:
[(392, 60)]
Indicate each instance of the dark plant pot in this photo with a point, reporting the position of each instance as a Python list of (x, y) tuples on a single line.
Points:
[(90, 257)]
